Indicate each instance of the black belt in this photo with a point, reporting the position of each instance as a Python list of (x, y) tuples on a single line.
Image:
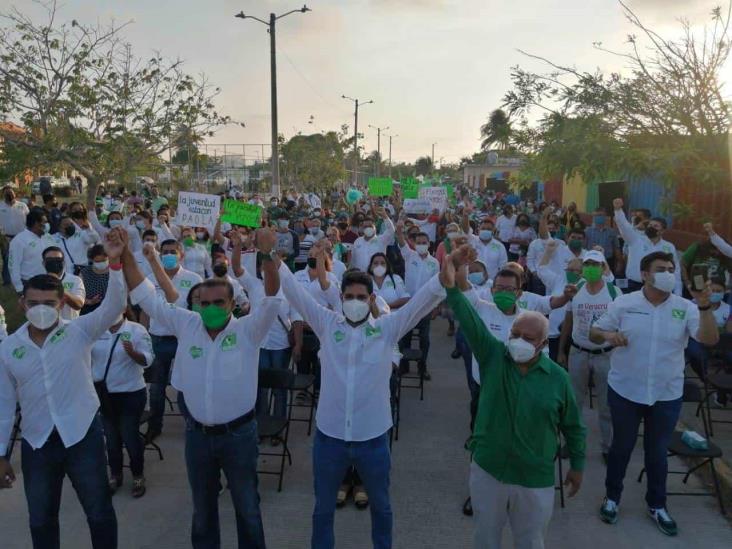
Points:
[(223, 428), (593, 351)]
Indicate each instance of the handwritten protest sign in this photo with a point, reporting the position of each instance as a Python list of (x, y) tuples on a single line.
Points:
[(198, 210), (417, 206), (437, 197), (380, 186), (240, 213), (410, 187)]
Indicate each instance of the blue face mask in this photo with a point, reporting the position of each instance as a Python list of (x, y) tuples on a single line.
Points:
[(485, 234), (599, 220), (169, 261), (716, 297), (476, 278)]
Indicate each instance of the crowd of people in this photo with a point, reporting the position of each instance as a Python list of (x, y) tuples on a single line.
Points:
[(122, 302)]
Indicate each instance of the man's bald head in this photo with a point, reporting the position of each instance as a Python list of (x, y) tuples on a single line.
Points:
[(531, 326)]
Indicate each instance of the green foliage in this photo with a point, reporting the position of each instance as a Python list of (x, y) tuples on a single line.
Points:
[(313, 162), (496, 132), (423, 165)]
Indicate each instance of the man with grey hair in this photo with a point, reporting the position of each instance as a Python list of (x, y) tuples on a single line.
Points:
[(526, 398)]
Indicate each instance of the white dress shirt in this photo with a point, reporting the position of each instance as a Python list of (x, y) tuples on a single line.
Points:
[(417, 269), (125, 375), (651, 367), (183, 281), (53, 383), (24, 256), (492, 254), (391, 289), (75, 286), (75, 247), (197, 260), (330, 298), (363, 249), (277, 337), (505, 226), (356, 362), (217, 376), (12, 217), (3, 325)]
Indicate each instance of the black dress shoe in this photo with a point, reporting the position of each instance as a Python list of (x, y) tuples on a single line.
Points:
[(468, 507), (455, 354)]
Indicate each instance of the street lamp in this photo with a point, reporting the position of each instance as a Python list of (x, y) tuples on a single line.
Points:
[(390, 138), (355, 135), (378, 147), (275, 190)]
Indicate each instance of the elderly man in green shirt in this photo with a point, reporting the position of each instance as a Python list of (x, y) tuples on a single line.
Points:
[(526, 400)]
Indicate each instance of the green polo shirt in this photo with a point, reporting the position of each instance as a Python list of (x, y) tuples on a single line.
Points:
[(519, 416)]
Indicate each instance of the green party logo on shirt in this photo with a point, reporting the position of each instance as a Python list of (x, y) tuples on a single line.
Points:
[(373, 332), (68, 285), (338, 336), (185, 284), (58, 336), (196, 352), (678, 314), (19, 352), (229, 342), (125, 336)]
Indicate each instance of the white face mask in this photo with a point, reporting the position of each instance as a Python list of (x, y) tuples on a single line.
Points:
[(521, 351), (368, 232), (42, 316), (452, 235), (101, 265), (200, 235), (664, 282), (355, 310), (115, 223), (422, 248), (379, 270)]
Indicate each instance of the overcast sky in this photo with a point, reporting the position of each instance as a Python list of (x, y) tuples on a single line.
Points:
[(434, 68)]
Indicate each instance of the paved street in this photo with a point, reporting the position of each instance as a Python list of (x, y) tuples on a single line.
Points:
[(429, 484)]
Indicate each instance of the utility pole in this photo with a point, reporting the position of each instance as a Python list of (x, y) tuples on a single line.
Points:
[(378, 147), (433, 157), (390, 138), (275, 160), (355, 135)]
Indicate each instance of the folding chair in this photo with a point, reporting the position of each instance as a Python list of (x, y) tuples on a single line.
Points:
[(149, 446), (269, 426), (302, 383), (412, 355), (677, 447), (718, 380)]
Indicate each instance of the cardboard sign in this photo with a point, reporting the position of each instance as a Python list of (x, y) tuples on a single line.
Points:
[(240, 213), (410, 187), (198, 210), (380, 186), (437, 197), (417, 206)]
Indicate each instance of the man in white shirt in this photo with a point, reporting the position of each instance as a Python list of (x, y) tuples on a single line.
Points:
[(419, 268), (586, 357), (45, 366), (367, 245), (12, 221), (490, 251), (506, 223), (354, 410), (24, 256), (164, 341), (75, 242), (216, 369), (650, 329), (74, 291), (640, 245)]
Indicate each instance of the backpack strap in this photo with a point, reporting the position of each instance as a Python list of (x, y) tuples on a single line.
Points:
[(612, 290)]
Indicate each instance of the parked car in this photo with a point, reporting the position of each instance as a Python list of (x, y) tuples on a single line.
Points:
[(46, 183)]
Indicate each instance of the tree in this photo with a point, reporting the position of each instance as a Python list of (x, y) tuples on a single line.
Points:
[(667, 117), (423, 165), (313, 162), (86, 102), (496, 132)]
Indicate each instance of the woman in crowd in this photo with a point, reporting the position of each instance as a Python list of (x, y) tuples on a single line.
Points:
[(95, 277), (387, 285)]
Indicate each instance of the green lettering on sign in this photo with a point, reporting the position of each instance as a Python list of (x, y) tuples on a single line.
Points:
[(410, 187), (241, 213), (380, 186)]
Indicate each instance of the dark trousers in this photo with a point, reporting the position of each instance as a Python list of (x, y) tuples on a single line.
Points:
[(235, 453), (43, 475), (309, 362), (5, 248), (164, 348), (553, 348), (332, 457), (122, 426), (659, 421), (462, 345), (277, 359), (423, 332)]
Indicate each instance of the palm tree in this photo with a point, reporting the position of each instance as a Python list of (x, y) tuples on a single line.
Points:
[(496, 132)]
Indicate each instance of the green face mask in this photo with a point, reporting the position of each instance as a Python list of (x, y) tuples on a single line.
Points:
[(504, 300), (188, 242), (592, 273), (572, 277), (213, 317)]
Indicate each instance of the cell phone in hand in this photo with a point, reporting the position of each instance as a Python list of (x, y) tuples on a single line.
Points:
[(699, 277)]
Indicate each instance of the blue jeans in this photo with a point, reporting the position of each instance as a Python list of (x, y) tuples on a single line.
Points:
[(164, 348), (236, 454), (461, 344), (122, 426), (659, 421), (331, 459), (43, 475), (277, 359)]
